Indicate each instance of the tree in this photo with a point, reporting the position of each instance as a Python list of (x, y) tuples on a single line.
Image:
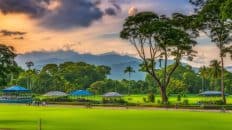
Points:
[(217, 28), (154, 37), (215, 70), (204, 73), (223, 6), (29, 64), (98, 87), (7, 63), (177, 87), (129, 70), (226, 9)]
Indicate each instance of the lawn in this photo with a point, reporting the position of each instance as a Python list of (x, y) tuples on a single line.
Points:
[(21, 117), (192, 99)]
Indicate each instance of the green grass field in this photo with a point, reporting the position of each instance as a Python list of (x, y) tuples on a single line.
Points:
[(193, 99), (21, 117)]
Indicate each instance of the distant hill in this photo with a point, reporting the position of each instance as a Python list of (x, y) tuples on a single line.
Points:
[(116, 61)]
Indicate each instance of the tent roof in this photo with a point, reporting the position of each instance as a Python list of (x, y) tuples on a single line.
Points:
[(211, 93), (15, 89), (80, 93), (112, 94), (55, 93)]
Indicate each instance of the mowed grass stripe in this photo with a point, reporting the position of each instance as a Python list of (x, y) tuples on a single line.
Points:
[(72, 118)]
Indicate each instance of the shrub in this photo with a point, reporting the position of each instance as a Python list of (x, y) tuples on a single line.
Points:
[(186, 102), (211, 102), (178, 97), (158, 101), (144, 99), (114, 101), (151, 97)]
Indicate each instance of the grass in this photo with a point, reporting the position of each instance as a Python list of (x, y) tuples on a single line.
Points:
[(193, 99), (20, 117)]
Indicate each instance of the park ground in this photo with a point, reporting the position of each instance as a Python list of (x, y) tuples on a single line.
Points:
[(139, 99), (22, 117)]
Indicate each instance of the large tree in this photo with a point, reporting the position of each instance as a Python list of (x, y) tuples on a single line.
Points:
[(156, 37), (7, 63), (217, 28)]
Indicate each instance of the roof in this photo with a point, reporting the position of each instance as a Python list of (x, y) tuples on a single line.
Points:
[(212, 93), (55, 93), (16, 89), (80, 93), (112, 94)]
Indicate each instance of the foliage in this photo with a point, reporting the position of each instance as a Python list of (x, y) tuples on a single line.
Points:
[(151, 97), (8, 66), (163, 39), (210, 14), (184, 80), (64, 77)]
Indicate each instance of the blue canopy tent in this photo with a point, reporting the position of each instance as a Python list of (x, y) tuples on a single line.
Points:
[(15, 89), (80, 93), (16, 94)]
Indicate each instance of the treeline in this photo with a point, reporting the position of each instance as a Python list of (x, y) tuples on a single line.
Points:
[(64, 77), (71, 76)]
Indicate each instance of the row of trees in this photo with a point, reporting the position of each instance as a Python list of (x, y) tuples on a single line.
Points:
[(71, 76), (64, 77), (159, 37)]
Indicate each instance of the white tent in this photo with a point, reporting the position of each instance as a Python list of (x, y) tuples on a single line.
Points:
[(55, 93), (112, 94)]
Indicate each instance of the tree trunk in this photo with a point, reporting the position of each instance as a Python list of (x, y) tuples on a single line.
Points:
[(222, 81), (164, 95)]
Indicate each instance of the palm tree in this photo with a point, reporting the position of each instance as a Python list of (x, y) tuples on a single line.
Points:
[(29, 65), (129, 70), (219, 31), (204, 75), (215, 70)]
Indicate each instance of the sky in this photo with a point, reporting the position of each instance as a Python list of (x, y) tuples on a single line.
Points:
[(85, 26)]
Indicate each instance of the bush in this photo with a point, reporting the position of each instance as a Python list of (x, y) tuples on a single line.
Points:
[(178, 97), (158, 101), (186, 102), (211, 102), (144, 99), (151, 97), (57, 99), (113, 101)]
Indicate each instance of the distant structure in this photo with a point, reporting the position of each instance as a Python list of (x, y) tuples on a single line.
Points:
[(55, 94), (212, 93), (112, 94)]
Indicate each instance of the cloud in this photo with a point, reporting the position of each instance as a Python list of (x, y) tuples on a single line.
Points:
[(16, 34), (12, 33), (19, 38), (110, 11), (73, 13), (60, 14), (34, 8)]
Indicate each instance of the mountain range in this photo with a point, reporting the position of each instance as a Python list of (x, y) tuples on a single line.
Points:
[(116, 61)]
